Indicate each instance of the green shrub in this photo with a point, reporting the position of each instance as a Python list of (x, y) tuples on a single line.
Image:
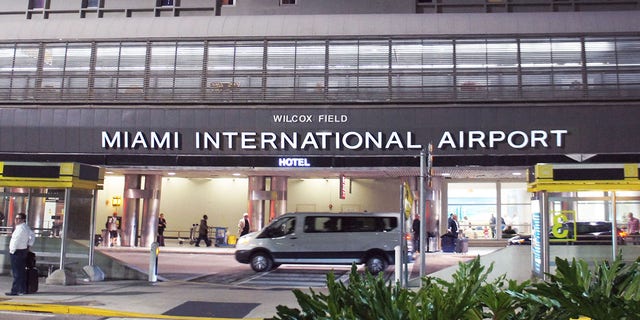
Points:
[(611, 291)]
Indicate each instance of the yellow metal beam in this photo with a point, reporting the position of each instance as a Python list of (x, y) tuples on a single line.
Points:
[(51, 175), (543, 178)]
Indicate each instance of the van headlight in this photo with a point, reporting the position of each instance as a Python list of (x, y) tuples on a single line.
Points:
[(243, 241)]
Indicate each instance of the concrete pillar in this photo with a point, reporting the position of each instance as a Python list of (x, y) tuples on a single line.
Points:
[(131, 210), (17, 204), (257, 196), (150, 210), (278, 201), (35, 216)]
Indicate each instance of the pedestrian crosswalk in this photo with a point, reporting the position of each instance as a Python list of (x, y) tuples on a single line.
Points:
[(295, 277)]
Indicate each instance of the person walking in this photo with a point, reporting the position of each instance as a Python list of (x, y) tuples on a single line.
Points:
[(112, 228), (415, 227), (203, 232), (243, 225), (162, 224), (22, 239)]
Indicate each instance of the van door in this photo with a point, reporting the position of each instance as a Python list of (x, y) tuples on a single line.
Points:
[(282, 237)]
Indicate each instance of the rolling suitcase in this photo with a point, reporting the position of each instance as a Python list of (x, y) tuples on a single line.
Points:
[(32, 273), (32, 280), (462, 245), (448, 243)]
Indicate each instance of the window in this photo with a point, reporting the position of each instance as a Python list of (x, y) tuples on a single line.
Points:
[(228, 2), (349, 224), (287, 2), (166, 3), (92, 4), (36, 4)]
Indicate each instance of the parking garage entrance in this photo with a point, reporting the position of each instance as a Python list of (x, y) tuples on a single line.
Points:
[(583, 212)]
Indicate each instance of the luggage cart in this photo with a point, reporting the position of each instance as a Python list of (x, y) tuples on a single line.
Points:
[(193, 233)]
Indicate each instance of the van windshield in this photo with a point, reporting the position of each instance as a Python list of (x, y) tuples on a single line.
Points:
[(279, 228)]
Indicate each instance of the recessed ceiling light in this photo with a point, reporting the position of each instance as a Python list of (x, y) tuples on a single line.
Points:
[(236, 174), (171, 173), (109, 172), (516, 173), (445, 174)]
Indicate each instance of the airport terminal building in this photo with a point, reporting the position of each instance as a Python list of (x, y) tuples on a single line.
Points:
[(349, 92)]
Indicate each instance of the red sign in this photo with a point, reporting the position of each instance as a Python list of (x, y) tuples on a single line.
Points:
[(343, 187)]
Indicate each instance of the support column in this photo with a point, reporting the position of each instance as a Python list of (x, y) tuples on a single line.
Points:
[(17, 204), (131, 210), (150, 210), (278, 201), (257, 196), (36, 208)]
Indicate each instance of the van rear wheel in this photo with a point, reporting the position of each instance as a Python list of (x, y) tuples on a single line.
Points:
[(376, 264), (261, 262)]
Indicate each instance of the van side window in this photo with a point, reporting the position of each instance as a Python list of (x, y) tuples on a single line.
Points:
[(349, 224)]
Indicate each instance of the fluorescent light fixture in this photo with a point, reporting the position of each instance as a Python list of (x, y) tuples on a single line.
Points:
[(171, 173)]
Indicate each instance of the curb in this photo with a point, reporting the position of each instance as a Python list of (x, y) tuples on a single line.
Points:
[(78, 310)]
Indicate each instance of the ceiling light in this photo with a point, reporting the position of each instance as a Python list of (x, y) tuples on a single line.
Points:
[(235, 174), (171, 173), (445, 174), (516, 173)]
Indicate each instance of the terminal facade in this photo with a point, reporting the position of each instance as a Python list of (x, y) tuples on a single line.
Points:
[(345, 91)]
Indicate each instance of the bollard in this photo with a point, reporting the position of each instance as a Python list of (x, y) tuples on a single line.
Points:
[(398, 255), (153, 262)]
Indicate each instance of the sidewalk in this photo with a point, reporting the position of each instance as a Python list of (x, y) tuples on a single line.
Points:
[(176, 299)]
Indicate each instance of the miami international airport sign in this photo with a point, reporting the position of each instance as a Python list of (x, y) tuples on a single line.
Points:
[(373, 131)]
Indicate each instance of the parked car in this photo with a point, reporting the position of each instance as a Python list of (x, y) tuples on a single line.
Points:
[(587, 232)]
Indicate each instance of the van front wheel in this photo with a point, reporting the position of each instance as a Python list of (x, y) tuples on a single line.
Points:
[(261, 262), (376, 264)]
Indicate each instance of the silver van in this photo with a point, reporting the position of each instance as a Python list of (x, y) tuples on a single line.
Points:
[(323, 238)]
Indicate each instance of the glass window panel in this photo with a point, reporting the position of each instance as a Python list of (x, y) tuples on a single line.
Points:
[(373, 81), (566, 52), (280, 82), (163, 57), (132, 57), (281, 55), (597, 77), (53, 65), (406, 55), (78, 57), (189, 56), (310, 56), (249, 56), (107, 56), (600, 52), (471, 54), (183, 82), (536, 79), (373, 55), (343, 56), (629, 78), (535, 53), (502, 54), (406, 81), (310, 82), (628, 51), (437, 80), (437, 54), (7, 53), (221, 56), (503, 80)]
